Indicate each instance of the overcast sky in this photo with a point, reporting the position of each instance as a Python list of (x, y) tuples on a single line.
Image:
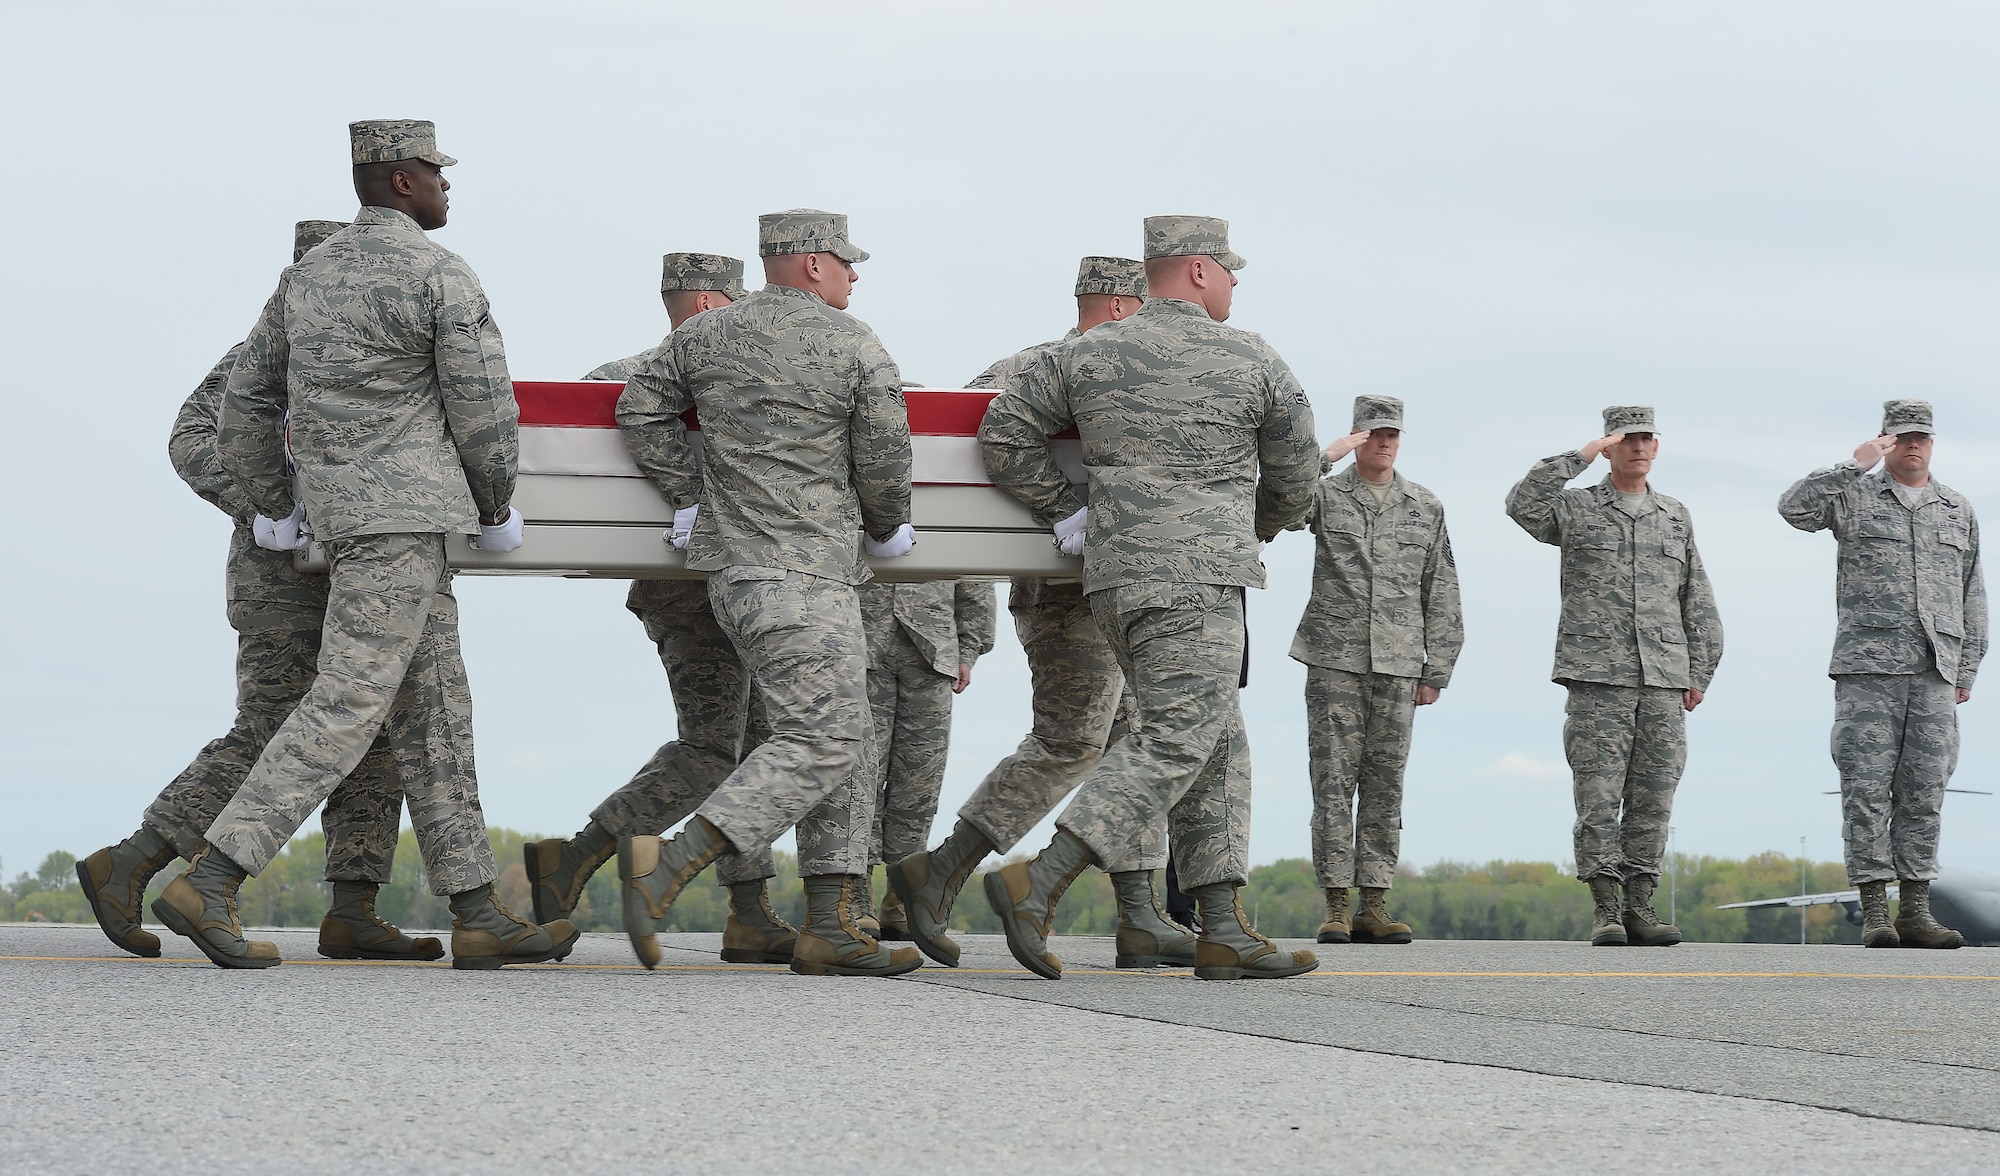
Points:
[(1764, 219)]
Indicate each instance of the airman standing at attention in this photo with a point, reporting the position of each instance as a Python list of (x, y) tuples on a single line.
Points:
[(1638, 644), (923, 640), (1379, 638), (713, 709), (1199, 442), (805, 447), (1911, 634), (277, 612), (380, 353), (1077, 705)]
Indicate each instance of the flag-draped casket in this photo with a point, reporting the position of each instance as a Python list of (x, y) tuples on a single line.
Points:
[(590, 512)]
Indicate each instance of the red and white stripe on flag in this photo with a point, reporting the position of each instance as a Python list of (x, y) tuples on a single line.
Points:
[(571, 428)]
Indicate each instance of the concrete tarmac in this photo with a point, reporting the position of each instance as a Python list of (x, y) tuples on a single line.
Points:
[(1437, 1056)]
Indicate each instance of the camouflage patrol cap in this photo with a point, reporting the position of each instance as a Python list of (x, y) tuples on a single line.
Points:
[(702, 271), (1119, 276), (386, 140), (307, 234), (1906, 416), (1191, 236), (806, 230), (1629, 418), (1377, 412)]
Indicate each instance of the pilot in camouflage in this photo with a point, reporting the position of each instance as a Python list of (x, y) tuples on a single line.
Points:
[(1910, 637), (1379, 637), (717, 719), (806, 445), (379, 352), (1199, 443), (277, 612), (1638, 643)]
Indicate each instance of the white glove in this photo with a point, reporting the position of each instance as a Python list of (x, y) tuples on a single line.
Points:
[(1069, 532), (503, 537), (899, 542), (287, 534), (683, 527)]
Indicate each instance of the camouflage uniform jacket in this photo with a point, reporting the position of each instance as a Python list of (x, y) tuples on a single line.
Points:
[(251, 573), (619, 370), (381, 345), (949, 621), (1179, 415), (805, 439), (1637, 609), (1024, 591), (1385, 587), (1910, 591)]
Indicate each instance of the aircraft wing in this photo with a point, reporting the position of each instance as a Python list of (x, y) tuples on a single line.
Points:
[(1797, 900)]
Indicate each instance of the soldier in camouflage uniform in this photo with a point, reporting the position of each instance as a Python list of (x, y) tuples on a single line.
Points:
[(1078, 709), (276, 612), (379, 357), (1639, 642), (805, 447), (923, 640), (1911, 634), (713, 711), (1199, 442), (1379, 638)]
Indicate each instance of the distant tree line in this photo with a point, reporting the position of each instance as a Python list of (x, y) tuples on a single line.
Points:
[(1448, 900)]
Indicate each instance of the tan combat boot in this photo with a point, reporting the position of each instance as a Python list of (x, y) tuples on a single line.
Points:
[(653, 873), (894, 919), (114, 881), (927, 884), (1147, 938), (559, 867), (832, 942), (1373, 924), (1338, 927), (864, 904), (1025, 895), (486, 935), (1914, 924), (1642, 924), (1230, 950), (201, 904), (753, 933), (353, 931), (1607, 921), (1876, 930)]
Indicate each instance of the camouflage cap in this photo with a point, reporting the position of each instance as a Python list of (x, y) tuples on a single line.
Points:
[(806, 230), (1191, 236), (386, 140), (1906, 416), (1629, 418), (1377, 412), (702, 271), (307, 234), (1119, 276)]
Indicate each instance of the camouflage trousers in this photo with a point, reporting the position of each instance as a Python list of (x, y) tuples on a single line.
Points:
[(715, 718), (801, 641), (910, 704), (1626, 746), (1895, 741), (1075, 696), (389, 666), (1186, 762), (277, 645), (1357, 743)]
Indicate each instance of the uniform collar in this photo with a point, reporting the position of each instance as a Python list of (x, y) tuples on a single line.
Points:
[(1610, 496), (1933, 491), (791, 292), (1350, 481), (1163, 307), (372, 214)]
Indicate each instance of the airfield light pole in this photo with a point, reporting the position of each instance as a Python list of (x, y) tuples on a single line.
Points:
[(1802, 890)]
